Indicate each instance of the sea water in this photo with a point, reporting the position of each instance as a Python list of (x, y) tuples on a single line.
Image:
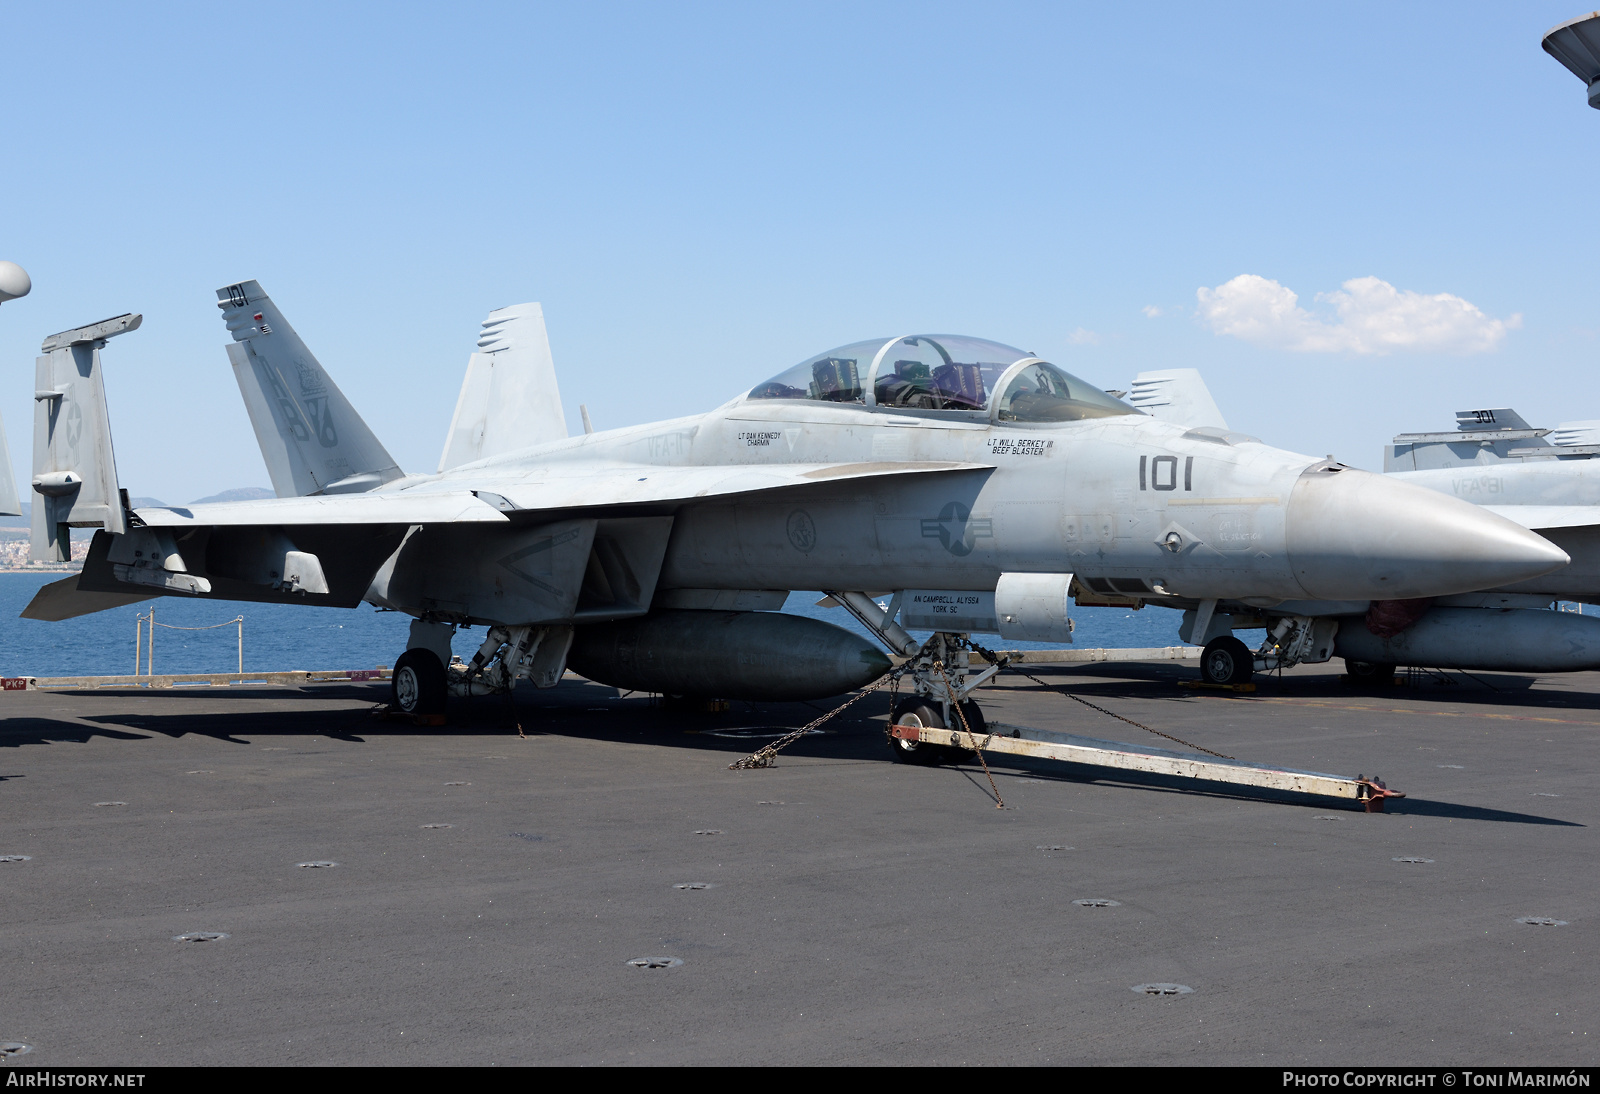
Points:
[(279, 637)]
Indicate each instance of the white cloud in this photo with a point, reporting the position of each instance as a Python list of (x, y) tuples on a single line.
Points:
[(1152, 311), (1082, 337), (1369, 316)]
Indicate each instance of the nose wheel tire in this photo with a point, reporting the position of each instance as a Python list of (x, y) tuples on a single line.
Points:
[(920, 712), (1226, 660), (418, 683), (915, 712)]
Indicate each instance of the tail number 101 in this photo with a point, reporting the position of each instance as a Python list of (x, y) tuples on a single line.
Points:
[(1161, 472)]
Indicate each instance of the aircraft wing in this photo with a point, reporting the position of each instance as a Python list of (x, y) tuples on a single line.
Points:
[(460, 499), (1535, 517)]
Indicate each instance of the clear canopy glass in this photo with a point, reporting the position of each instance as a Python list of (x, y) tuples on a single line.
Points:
[(1040, 392), (833, 377), (942, 372)]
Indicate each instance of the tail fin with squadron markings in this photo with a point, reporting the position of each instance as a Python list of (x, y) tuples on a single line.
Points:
[(312, 439)]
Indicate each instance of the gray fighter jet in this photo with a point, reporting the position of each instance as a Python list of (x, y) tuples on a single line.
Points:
[(1542, 479), (1547, 480), (975, 485)]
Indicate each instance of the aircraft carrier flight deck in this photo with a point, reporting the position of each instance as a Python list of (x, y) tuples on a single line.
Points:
[(605, 890)]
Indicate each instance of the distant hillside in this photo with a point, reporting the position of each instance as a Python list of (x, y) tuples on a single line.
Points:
[(238, 493)]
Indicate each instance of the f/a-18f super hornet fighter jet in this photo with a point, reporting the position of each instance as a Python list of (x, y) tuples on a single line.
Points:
[(976, 484)]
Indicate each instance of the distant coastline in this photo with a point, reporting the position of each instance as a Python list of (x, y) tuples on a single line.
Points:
[(14, 533), (14, 555)]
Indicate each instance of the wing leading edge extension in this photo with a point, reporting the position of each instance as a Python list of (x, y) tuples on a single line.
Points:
[(552, 489)]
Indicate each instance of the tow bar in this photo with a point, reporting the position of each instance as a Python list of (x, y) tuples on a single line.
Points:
[(1044, 744)]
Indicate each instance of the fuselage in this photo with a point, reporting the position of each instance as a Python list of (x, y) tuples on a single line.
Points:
[(1130, 503)]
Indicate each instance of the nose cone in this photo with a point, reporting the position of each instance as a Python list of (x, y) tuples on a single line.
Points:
[(1353, 535)]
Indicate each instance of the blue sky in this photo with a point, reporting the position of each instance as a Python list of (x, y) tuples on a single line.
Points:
[(701, 195)]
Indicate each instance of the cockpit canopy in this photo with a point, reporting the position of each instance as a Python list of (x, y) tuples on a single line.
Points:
[(943, 372)]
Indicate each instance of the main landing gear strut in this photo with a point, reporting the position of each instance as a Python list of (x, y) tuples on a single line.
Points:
[(426, 675)]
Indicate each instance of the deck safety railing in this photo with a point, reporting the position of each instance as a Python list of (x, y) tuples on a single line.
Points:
[(144, 648)]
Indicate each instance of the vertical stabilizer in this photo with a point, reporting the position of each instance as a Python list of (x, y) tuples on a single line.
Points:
[(312, 439), (509, 399), (74, 470), (10, 504), (1177, 395)]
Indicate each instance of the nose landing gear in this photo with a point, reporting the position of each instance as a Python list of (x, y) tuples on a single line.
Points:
[(916, 713)]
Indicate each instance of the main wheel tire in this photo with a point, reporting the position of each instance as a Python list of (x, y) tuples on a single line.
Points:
[(1227, 660), (1369, 674), (418, 683), (914, 752)]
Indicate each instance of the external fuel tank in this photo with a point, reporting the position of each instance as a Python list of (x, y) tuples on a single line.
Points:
[(727, 655), (1504, 639)]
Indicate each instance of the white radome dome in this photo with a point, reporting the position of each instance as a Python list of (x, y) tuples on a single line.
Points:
[(14, 281)]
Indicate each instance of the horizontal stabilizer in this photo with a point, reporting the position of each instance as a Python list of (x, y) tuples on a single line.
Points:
[(509, 398), (312, 439), (1177, 395), (64, 600)]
